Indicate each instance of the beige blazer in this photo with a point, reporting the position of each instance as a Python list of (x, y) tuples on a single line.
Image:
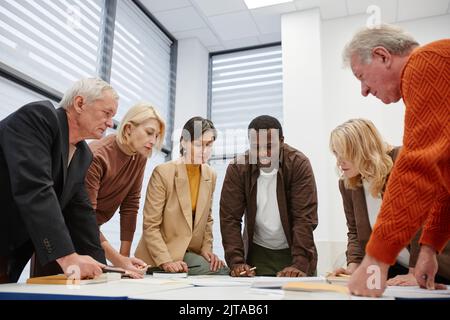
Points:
[(168, 229)]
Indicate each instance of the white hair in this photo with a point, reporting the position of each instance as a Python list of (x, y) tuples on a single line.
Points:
[(90, 88), (392, 38)]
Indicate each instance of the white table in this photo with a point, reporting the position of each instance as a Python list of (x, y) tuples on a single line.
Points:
[(192, 288)]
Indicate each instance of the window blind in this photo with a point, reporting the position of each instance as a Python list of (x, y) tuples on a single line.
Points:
[(244, 85), (141, 66), (53, 42)]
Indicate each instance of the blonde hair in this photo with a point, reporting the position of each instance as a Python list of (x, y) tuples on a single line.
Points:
[(137, 115), (358, 141), (89, 88), (392, 38)]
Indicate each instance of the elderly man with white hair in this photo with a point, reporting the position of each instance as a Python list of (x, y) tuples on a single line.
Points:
[(43, 162), (391, 66)]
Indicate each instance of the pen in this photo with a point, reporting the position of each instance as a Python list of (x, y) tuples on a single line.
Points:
[(158, 269), (244, 272), (113, 270)]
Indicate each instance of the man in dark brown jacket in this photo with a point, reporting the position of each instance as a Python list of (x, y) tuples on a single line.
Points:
[(273, 185)]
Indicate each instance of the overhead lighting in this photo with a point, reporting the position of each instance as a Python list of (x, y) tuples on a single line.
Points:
[(252, 4)]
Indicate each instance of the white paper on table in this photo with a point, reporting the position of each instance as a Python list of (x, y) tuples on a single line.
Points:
[(218, 283), (415, 292), (278, 282)]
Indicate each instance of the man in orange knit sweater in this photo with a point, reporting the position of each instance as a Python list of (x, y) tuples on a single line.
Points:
[(390, 65)]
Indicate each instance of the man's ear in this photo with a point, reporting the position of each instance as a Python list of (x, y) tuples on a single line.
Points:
[(78, 103), (282, 140), (383, 55)]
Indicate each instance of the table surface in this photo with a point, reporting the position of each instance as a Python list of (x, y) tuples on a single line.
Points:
[(195, 288)]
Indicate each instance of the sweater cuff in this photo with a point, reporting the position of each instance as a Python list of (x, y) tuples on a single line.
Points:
[(383, 250), (436, 240), (236, 260)]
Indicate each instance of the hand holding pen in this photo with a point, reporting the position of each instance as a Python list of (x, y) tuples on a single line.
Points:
[(243, 270)]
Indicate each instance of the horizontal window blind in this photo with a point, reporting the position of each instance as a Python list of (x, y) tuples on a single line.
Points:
[(244, 85), (141, 61), (53, 42)]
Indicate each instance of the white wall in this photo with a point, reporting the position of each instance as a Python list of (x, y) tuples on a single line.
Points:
[(192, 85), (315, 79), (303, 107)]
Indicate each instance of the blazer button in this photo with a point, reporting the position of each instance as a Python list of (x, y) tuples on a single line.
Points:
[(47, 245)]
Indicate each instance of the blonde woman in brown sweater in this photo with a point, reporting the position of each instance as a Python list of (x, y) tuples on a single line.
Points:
[(114, 179)]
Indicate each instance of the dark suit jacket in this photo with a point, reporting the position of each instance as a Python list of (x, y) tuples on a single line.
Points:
[(41, 199), (359, 229), (297, 203)]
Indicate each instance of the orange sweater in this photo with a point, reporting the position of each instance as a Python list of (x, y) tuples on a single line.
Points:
[(418, 191)]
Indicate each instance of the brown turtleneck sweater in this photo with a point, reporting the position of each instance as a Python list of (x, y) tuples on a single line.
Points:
[(114, 180)]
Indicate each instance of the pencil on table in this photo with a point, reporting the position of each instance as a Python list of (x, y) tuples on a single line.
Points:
[(244, 272)]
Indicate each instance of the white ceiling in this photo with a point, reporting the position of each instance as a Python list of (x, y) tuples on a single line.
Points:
[(228, 24)]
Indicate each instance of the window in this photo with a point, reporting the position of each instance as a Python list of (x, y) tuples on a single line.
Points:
[(14, 96), (53, 42), (141, 61), (244, 85)]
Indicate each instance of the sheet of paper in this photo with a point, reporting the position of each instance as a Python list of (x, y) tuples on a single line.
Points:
[(218, 283), (416, 292), (169, 275), (278, 282)]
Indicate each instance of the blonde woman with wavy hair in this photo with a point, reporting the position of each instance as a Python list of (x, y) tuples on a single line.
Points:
[(360, 141), (114, 179), (365, 161)]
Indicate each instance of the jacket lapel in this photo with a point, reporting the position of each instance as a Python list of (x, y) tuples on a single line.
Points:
[(361, 216), (282, 205), (183, 192), (62, 118), (204, 194), (252, 205), (282, 197)]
